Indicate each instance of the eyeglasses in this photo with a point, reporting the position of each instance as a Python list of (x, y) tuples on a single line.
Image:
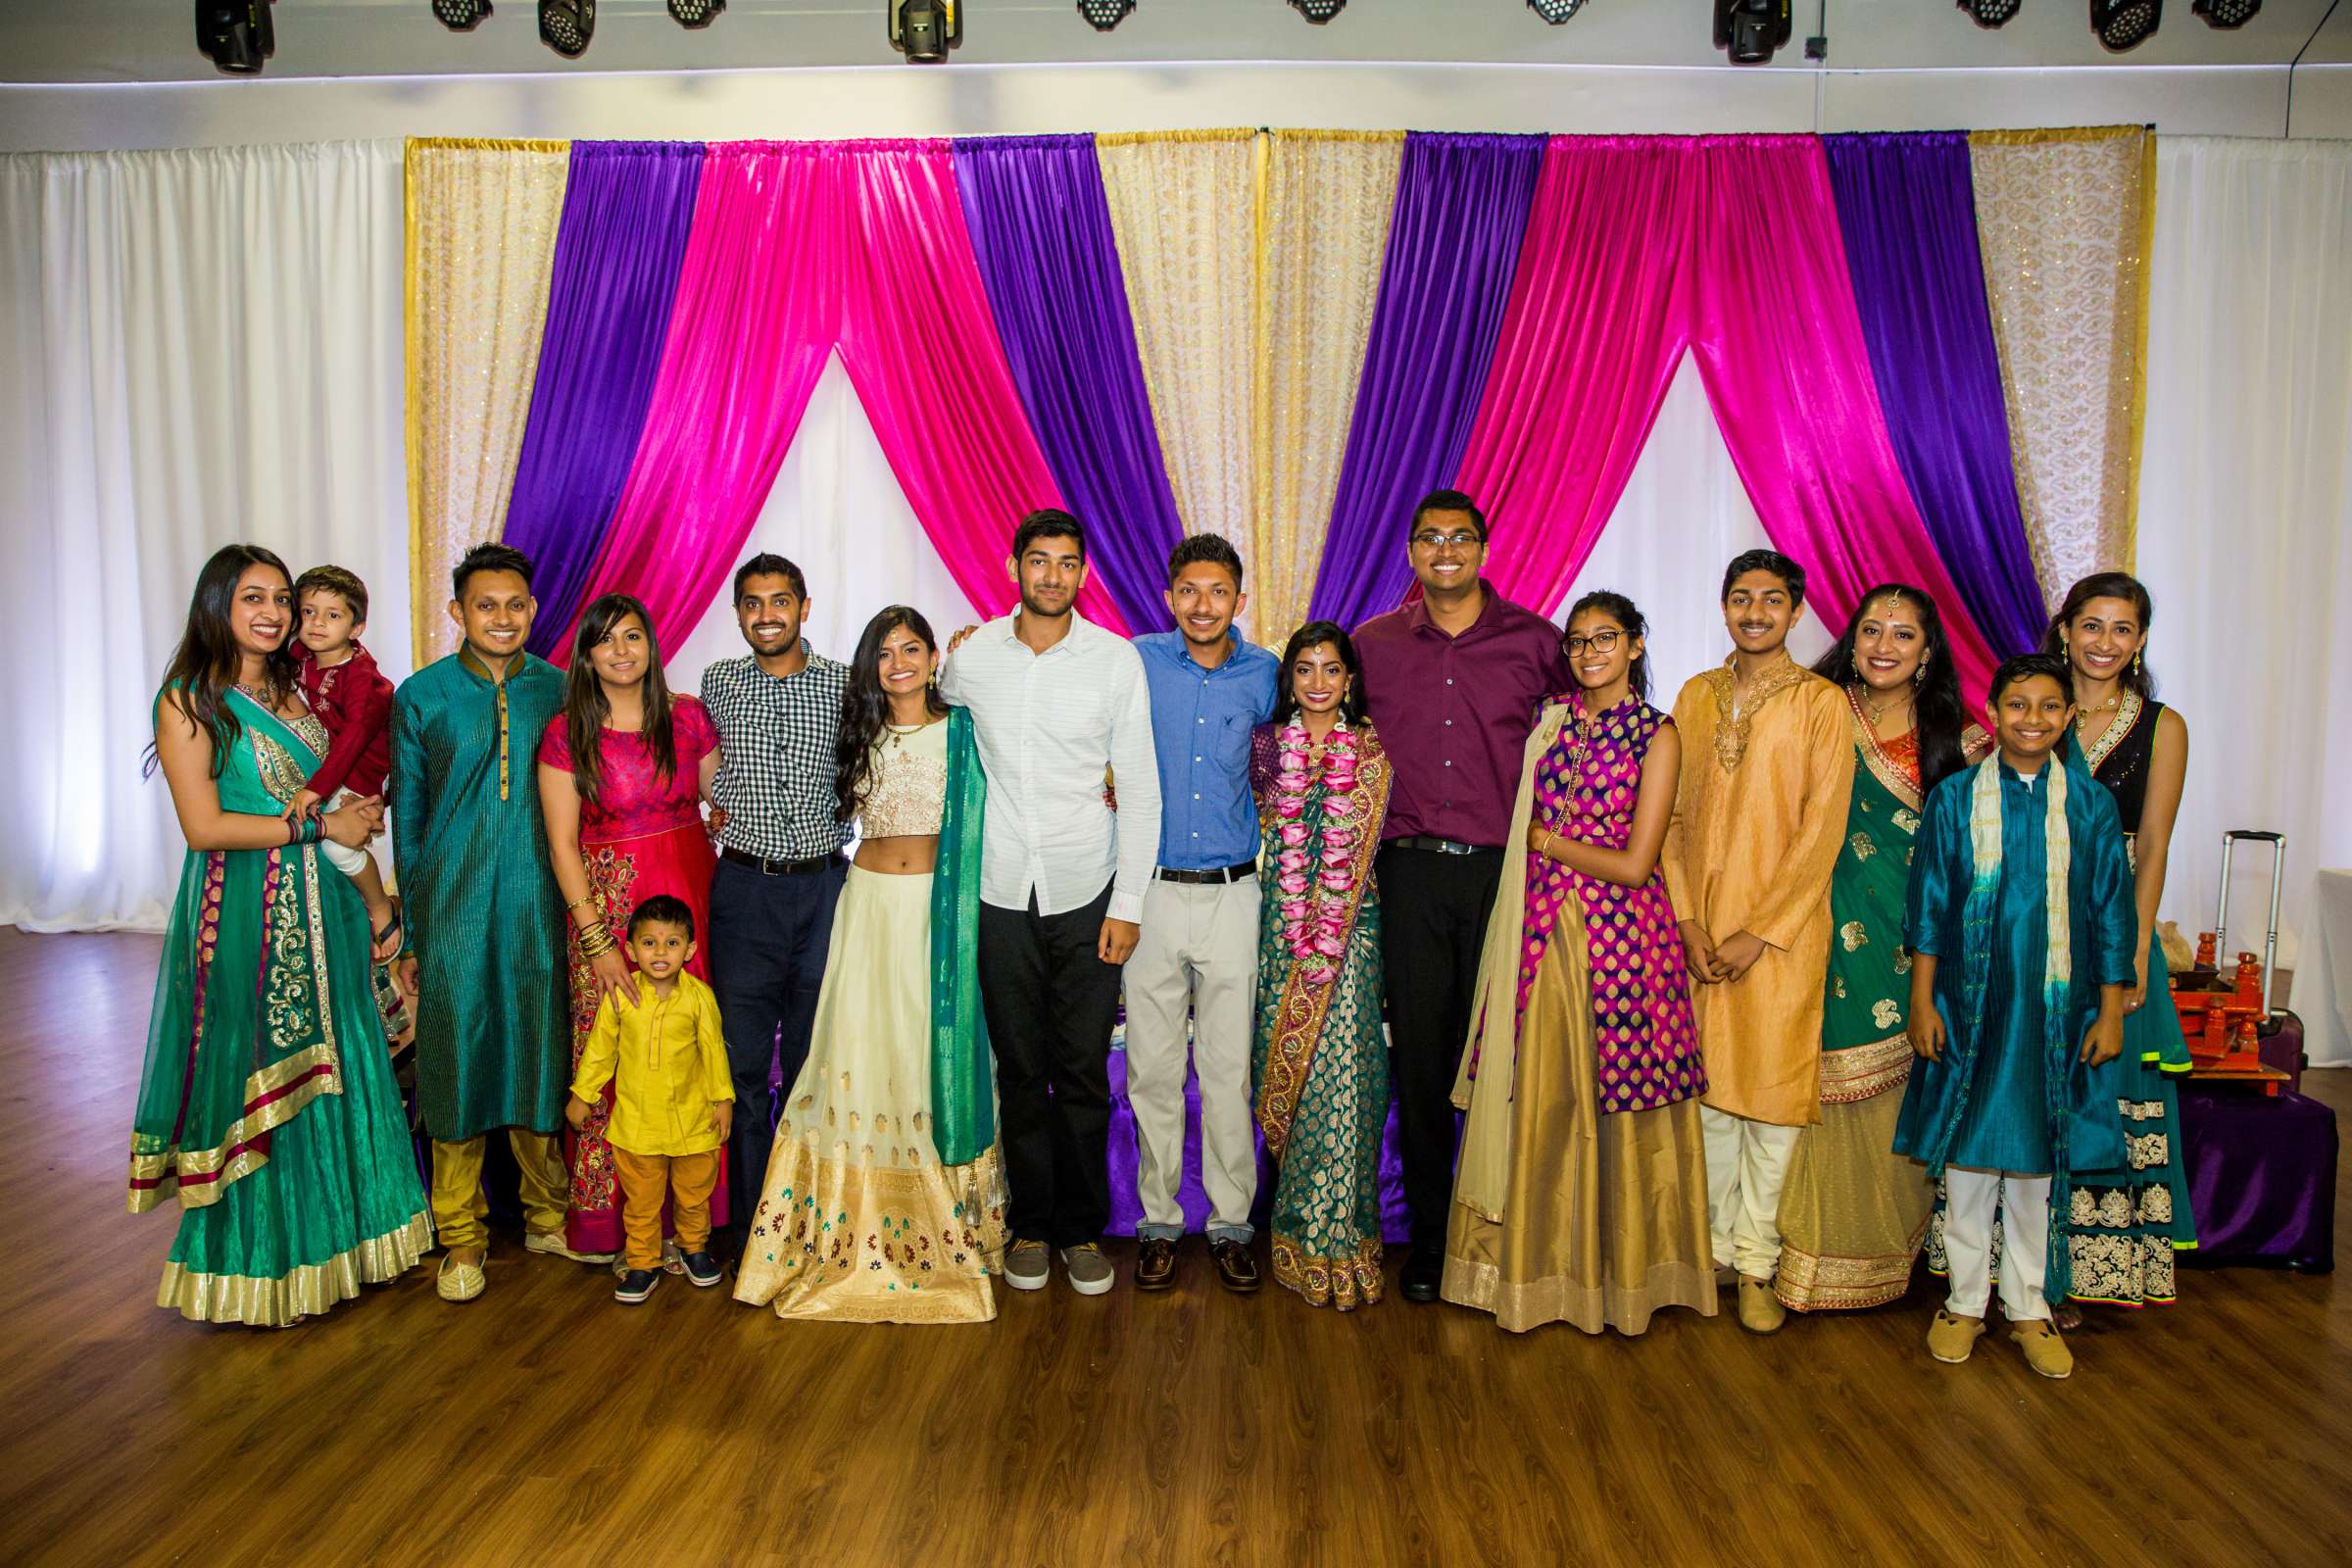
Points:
[(1600, 642), (1460, 538)]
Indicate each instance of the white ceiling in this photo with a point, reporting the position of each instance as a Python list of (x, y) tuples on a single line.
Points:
[(153, 40)]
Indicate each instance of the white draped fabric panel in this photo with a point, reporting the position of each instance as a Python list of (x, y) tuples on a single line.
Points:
[(201, 347), (206, 345), (2245, 529)]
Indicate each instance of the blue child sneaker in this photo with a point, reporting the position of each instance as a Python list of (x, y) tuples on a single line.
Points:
[(703, 1268), (635, 1286)]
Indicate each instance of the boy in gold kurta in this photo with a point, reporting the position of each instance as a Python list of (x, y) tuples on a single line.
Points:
[(662, 1048), (1758, 821)]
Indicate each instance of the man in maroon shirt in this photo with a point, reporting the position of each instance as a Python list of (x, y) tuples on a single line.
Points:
[(1453, 683)]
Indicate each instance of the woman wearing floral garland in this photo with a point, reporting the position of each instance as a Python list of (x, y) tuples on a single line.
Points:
[(1582, 1193), (1320, 1060)]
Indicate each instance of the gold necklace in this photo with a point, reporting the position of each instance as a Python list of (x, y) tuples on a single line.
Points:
[(1875, 711)]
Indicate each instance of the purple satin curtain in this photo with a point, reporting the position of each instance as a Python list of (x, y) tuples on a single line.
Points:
[(1906, 204), (627, 210), (1454, 244), (1041, 228)]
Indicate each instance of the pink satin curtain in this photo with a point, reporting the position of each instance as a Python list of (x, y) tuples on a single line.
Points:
[(1639, 248), (798, 248)]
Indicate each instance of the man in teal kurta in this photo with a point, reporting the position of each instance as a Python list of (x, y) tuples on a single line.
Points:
[(2022, 924), (484, 918)]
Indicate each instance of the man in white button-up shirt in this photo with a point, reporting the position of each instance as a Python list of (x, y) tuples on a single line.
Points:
[(1057, 703)]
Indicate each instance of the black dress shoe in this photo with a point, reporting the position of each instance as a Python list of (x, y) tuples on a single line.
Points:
[(1237, 1270), (1155, 1264), (1423, 1273)]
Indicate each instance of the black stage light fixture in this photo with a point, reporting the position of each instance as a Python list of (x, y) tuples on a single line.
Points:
[(1318, 12), (695, 13), (1989, 13), (1750, 30), (461, 15), (236, 36), (1555, 12), (1104, 15), (2125, 24), (567, 25), (2226, 12), (924, 31)]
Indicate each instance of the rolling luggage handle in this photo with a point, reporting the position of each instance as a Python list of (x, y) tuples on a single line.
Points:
[(2221, 911)]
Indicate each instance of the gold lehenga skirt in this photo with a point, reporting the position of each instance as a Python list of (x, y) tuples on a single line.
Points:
[(1853, 1212), (858, 1220), (1605, 1216)]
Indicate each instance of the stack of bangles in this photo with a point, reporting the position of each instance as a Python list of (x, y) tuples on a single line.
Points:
[(305, 830), (596, 939)]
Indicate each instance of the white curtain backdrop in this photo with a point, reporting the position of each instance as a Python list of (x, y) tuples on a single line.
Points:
[(2245, 528), (206, 345), (198, 347)]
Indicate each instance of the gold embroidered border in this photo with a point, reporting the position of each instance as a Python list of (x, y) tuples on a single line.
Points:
[(1883, 767), (1809, 1284), (294, 1082), (299, 1293), (1343, 1283), (2126, 718), (1731, 720), (1863, 1073)]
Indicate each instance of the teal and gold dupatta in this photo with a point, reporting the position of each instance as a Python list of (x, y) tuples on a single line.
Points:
[(963, 1101)]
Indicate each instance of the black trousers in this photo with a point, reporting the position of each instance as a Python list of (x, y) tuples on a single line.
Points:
[(1051, 1003), (1433, 913), (769, 938)]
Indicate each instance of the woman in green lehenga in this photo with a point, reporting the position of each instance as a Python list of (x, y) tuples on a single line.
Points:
[(1321, 1058), (267, 1107)]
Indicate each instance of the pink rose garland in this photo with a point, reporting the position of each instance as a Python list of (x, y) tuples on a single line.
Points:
[(1315, 882)]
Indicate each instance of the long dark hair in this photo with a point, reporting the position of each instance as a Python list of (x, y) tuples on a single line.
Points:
[(866, 708), (585, 710), (207, 662), (2107, 585), (1314, 634), (1629, 615), (1939, 718)]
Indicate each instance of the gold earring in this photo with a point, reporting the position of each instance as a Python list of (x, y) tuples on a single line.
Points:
[(2135, 663), (1919, 676), (1855, 660)]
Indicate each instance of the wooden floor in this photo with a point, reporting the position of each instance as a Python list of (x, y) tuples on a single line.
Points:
[(544, 1424)]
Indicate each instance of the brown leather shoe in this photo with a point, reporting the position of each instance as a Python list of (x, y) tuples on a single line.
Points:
[(1155, 1264), (1237, 1270)]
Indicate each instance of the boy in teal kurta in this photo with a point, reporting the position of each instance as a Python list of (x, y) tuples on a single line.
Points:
[(485, 921), (2022, 920)]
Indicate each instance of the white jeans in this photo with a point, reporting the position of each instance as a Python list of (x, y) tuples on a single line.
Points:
[(1746, 1163), (1198, 953), (1969, 1197)]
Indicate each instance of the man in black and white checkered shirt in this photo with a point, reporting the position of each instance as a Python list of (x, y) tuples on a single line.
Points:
[(780, 868)]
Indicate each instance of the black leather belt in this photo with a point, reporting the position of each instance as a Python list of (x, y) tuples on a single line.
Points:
[(765, 868), (1211, 878), (1421, 841)]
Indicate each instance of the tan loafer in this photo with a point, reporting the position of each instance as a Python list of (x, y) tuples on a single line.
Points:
[(551, 1243), (2045, 1348), (1950, 1339), (1760, 1311), (459, 1281)]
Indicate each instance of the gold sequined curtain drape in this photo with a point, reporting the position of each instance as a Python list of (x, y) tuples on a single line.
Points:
[(1253, 332), (2064, 219), (481, 242)]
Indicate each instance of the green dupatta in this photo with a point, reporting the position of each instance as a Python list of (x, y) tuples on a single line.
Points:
[(963, 1099)]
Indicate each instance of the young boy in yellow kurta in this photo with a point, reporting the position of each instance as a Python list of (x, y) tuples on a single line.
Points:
[(673, 1094), (1757, 820)]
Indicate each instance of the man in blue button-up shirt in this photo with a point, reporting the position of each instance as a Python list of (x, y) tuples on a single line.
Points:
[(1198, 947)]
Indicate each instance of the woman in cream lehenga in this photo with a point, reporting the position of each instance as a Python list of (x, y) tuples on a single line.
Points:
[(884, 1201)]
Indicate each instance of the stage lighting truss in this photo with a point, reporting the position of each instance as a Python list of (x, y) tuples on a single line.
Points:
[(695, 13), (567, 25), (1555, 12), (1989, 13), (2122, 25), (1104, 15), (1318, 12), (2225, 12), (923, 31), (1751, 30), (236, 36), (461, 15)]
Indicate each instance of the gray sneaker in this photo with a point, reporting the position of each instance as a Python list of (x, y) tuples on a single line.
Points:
[(1090, 1272), (1026, 1267)]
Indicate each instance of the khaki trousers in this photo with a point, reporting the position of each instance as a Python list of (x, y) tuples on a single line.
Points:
[(459, 1206), (1196, 959)]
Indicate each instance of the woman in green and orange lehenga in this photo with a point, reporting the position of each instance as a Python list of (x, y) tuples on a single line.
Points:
[(267, 1107)]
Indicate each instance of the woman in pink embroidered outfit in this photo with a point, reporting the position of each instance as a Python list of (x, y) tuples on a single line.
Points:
[(1582, 1193), (624, 771)]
